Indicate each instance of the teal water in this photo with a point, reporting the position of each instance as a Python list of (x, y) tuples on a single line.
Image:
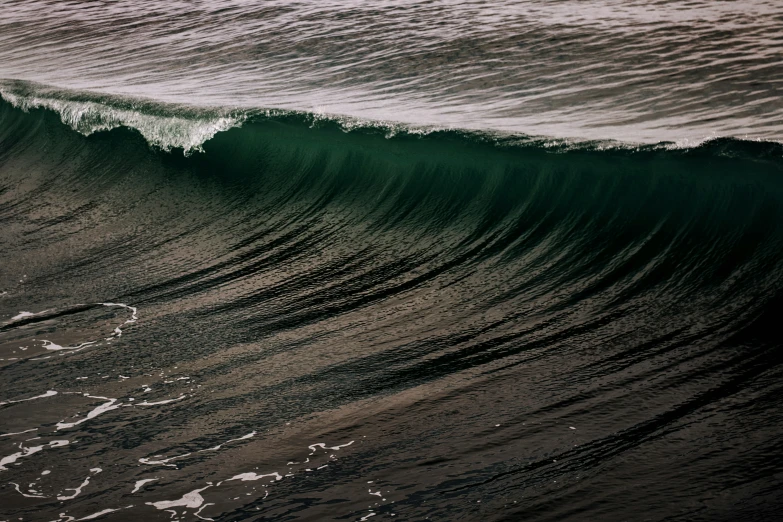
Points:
[(422, 260), (482, 325)]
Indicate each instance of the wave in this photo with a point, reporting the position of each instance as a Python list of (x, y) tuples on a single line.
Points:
[(169, 126), (163, 127), (601, 215), (296, 264)]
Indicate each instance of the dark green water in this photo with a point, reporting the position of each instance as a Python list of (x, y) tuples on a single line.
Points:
[(473, 325), (425, 260)]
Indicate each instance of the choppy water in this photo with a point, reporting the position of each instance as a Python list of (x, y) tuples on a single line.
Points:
[(634, 70), (418, 261)]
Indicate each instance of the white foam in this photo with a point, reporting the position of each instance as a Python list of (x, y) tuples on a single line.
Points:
[(190, 500), (165, 132), (197, 513), (244, 437), (101, 513), (103, 408), (49, 345), (18, 432), (245, 477), (25, 494), (164, 462), (133, 319), (26, 452), (140, 483), (324, 447), (49, 393), (158, 403), (77, 490)]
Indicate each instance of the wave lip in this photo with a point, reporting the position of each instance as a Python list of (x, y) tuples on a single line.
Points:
[(168, 127), (186, 128)]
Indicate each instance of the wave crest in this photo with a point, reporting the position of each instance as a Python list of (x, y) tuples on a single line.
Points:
[(170, 127), (160, 129)]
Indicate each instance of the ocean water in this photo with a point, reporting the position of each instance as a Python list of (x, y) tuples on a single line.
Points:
[(432, 260)]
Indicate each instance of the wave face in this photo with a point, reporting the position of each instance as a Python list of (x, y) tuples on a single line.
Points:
[(312, 320), (643, 71)]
